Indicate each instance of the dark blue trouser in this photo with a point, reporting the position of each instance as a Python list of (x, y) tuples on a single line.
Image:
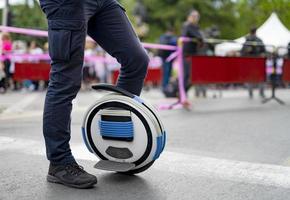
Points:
[(167, 69), (68, 22)]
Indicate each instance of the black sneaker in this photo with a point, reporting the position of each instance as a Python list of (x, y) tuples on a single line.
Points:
[(71, 175)]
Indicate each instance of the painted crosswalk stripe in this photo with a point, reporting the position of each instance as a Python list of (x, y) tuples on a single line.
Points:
[(180, 163), (22, 104)]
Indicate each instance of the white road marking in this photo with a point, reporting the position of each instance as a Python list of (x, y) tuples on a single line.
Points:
[(24, 115), (21, 105), (232, 170), (5, 140), (38, 147), (33, 114), (25, 145), (179, 163)]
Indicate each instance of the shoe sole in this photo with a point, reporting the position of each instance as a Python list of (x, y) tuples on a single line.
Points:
[(53, 179)]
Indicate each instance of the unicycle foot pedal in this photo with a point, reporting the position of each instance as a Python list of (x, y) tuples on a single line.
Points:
[(114, 166)]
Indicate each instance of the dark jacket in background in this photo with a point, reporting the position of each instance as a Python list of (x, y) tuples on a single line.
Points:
[(167, 39), (250, 49), (192, 31)]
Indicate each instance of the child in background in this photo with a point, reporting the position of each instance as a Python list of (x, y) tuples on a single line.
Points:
[(6, 43), (6, 49)]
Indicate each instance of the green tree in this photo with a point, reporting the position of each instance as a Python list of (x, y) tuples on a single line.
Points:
[(25, 16), (163, 13), (233, 17), (255, 12)]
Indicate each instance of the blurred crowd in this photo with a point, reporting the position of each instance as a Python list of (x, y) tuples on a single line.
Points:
[(98, 65), (7, 62), (203, 43)]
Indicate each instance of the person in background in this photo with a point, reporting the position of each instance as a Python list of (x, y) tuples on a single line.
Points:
[(19, 47), (34, 49), (211, 32), (101, 68), (254, 47), (191, 29), (89, 73), (168, 38), (6, 49)]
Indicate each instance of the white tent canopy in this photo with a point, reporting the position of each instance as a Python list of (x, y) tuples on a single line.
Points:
[(272, 33)]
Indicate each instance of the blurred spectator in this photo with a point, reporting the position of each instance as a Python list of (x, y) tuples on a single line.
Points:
[(191, 29), (101, 67), (45, 47), (6, 49), (34, 49), (19, 47), (269, 65), (168, 38), (233, 54), (211, 32), (254, 46), (89, 73), (279, 69), (6, 43)]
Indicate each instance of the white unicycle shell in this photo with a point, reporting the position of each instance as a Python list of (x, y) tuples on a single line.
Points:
[(124, 131)]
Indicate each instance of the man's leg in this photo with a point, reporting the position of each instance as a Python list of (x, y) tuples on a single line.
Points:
[(67, 32), (112, 30)]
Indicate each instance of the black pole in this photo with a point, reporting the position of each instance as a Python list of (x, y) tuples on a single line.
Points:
[(5, 13), (274, 83)]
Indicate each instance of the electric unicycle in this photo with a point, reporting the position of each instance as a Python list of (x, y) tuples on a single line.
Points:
[(124, 131)]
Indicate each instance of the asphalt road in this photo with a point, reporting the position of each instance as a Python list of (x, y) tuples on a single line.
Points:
[(223, 149)]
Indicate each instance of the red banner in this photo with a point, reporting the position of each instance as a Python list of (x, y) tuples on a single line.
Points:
[(286, 71), (40, 71), (31, 71), (213, 69), (154, 75)]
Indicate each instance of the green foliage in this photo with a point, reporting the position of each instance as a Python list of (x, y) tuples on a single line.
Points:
[(1, 15), (233, 17), (255, 12), (25, 16)]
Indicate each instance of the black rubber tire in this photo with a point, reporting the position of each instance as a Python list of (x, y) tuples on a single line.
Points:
[(137, 171)]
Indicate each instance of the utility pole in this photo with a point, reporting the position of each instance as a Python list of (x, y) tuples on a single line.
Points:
[(5, 13)]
